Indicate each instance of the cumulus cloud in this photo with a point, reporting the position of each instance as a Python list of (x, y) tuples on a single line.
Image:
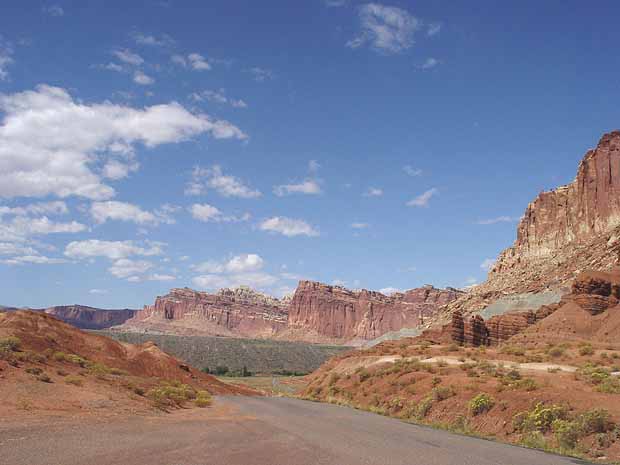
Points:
[(127, 268), (161, 277), (198, 62), (238, 264), (214, 178), (288, 227), (253, 280), (423, 199), (148, 39), (113, 250), (335, 3), (386, 29), (123, 211), (32, 259), (309, 186), (40, 208), (498, 219), (129, 57), (373, 192), (140, 78), (116, 169), (50, 144)]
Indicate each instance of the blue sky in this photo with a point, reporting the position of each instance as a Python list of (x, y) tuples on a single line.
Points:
[(163, 144)]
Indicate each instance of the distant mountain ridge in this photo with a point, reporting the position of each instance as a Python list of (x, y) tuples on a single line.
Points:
[(82, 316)]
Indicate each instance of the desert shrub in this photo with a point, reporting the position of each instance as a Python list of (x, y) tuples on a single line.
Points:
[(43, 377), (442, 393), (59, 356), (203, 399), (74, 380), (556, 351), (594, 421), (513, 350), (534, 440), (534, 358), (594, 374), (540, 418), (171, 394), (517, 383), (10, 344), (424, 407), (586, 349), (609, 386), (566, 433), (481, 403), (34, 371), (436, 381)]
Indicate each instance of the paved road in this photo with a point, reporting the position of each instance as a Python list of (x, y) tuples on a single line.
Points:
[(255, 431)]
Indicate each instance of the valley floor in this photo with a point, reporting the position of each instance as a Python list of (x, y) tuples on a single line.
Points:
[(251, 430)]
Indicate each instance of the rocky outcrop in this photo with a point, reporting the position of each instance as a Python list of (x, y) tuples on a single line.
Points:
[(84, 317), (331, 313), (239, 312), (563, 231), (316, 313)]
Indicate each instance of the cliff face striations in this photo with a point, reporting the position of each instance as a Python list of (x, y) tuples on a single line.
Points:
[(316, 313)]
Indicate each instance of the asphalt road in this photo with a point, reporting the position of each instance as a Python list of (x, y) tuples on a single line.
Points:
[(253, 431)]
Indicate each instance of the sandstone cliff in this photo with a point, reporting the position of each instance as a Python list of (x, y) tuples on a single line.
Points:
[(88, 317), (563, 231), (316, 313)]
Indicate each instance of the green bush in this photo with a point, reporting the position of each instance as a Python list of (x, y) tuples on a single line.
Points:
[(566, 432), (594, 421), (609, 386), (203, 399), (540, 418), (171, 394), (424, 407), (34, 371), (481, 403), (442, 393), (586, 349), (10, 344)]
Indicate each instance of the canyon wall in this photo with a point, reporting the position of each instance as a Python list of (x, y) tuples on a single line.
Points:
[(562, 232), (88, 317)]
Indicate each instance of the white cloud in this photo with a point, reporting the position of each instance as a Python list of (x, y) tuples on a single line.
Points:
[(423, 199), (288, 226), (147, 39), (214, 178), (113, 250), (98, 291), (261, 74), (360, 225), (179, 60), (123, 211), (373, 192), (238, 264), (198, 62), (208, 213), (487, 264), (411, 171), (112, 67), (313, 166), (161, 277), (32, 259), (6, 58), (389, 290), (387, 29), (50, 144), (335, 3), (309, 186), (20, 228), (9, 248), (129, 57), (430, 63), (499, 219), (115, 169), (140, 78), (218, 96), (127, 268), (253, 280), (57, 207), (433, 29), (53, 10)]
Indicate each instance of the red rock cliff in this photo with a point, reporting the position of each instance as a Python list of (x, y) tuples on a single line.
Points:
[(325, 313), (88, 317)]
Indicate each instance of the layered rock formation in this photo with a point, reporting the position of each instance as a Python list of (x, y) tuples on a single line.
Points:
[(563, 231), (316, 313), (239, 312), (321, 312)]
